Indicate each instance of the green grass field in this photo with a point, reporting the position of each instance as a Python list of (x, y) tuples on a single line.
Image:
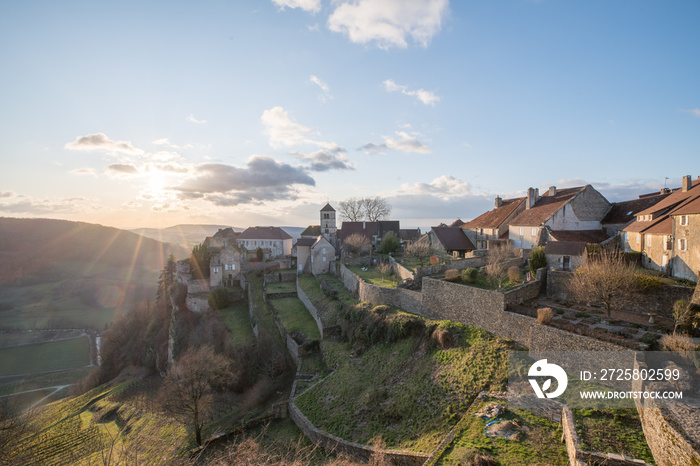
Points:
[(281, 287), (60, 355), (374, 276), (237, 320), (295, 317)]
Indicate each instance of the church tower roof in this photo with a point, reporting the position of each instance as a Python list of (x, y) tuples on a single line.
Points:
[(328, 208)]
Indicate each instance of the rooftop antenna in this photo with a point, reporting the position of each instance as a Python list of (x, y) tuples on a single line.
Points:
[(666, 178)]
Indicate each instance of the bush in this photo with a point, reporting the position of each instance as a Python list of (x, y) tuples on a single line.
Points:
[(685, 315), (469, 275), (514, 274), (390, 243), (452, 275), (219, 299), (443, 338), (677, 342), (544, 315), (537, 259), (646, 283)]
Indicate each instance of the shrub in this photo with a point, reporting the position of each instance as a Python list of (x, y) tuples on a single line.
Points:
[(469, 275), (514, 274), (677, 342), (390, 243), (452, 275), (443, 338), (633, 257), (685, 315), (646, 283), (544, 315), (219, 298), (537, 259)]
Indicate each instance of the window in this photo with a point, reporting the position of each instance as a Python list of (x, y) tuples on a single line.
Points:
[(533, 232), (682, 244), (668, 243), (664, 261), (324, 258), (324, 251), (684, 220), (639, 238), (648, 240), (521, 231)]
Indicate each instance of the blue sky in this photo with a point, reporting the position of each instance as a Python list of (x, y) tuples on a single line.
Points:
[(258, 112)]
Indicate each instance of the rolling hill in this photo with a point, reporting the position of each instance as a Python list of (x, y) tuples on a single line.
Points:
[(186, 236)]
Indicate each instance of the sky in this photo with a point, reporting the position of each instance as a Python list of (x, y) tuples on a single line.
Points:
[(150, 114)]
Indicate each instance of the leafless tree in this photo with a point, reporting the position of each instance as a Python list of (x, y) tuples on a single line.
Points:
[(496, 263), (188, 390), (603, 279), (376, 208), (420, 250), (352, 209), (358, 243), (384, 268)]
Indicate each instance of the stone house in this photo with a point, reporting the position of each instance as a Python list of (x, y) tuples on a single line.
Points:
[(623, 213), (408, 236), (653, 232), (374, 231), (570, 209), (274, 241), (493, 225), (225, 267), (448, 240), (685, 262), (565, 255), (314, 255)]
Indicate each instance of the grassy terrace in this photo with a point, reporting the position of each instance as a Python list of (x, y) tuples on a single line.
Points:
[(281, 287), (410, 392), (374, 276), (612, 431), (539, 445), (295, 317), (237, 320)]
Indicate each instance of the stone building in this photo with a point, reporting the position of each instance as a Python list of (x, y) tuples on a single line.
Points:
[(225, 267), (273, 241), (314, 255), (373, 231), (686, 239), (570, 209), (448, 240), (493, 225), (655, 234)]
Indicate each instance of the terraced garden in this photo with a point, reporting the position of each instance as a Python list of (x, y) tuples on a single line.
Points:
[(295, 317)]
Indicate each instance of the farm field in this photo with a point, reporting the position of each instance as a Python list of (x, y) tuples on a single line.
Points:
[(44, 357)]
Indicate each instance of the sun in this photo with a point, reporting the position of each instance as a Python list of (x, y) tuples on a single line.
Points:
[(156, 184)]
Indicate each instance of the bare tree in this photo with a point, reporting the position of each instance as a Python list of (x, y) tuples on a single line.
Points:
[(371, 209), (603, 279), (496, 263), (190, 385), (384, 268), (420, 250), (357, 243), (353, 209), (376, 208)]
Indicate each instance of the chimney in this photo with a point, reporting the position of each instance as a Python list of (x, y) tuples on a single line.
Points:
[(499, 201), (686, 183), (532, 195), (552, 190)]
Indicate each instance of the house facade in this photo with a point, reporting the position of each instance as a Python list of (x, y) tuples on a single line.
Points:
[(569, 209), (314, 255), (448, 240), (225, 267), (656, 231), (686, 240), (274, 241), (493, 225)]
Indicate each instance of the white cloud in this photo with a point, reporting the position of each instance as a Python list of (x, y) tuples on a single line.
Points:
[(445, 187), (694, 111), (324, 160), (387, 23), (6, 194), (312, 6), (83, 171), (99, 141), (22, 204), (122, 170), (427, 97), (282, 130), (325, 94), (192, 119), (406, 143)]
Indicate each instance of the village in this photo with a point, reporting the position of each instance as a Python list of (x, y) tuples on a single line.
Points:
[(508, 271)]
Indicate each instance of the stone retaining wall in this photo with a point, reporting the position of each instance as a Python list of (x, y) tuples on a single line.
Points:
[(198, 286), (313, 311), (198, 302), (672, 431), (351, 450)]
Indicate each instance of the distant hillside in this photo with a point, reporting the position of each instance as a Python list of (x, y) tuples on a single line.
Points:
[(186, 236), (37, 246), (294, 232)]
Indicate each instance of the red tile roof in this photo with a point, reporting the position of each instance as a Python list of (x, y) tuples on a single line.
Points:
[(624, 212), (565, 248), (545, 207), (457, 223), (691, 206), (453, 239), (673, 199), (580, 236), (367, 229), (264, 233), (494, 218), (662, 227), (312, 230)]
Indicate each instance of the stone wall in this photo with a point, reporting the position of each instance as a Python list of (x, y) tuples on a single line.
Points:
[(275, 277), (470, 262), (522, 293), (412, 301), (673, 431), (313, 311), (197, 302), (557, 288), (351, 450), (198, 286)]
